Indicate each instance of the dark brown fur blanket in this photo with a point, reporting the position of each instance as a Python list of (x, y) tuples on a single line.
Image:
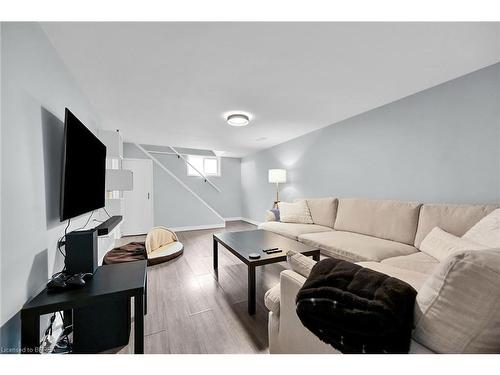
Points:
[(355, 309)]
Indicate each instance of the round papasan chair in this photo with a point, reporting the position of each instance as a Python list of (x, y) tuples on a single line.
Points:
[(162, 245)]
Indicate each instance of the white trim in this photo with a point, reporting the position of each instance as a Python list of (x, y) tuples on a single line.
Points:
[(254, 222), (240, 218), (213, 226), (235, 218), (178, 180), (197, 227)]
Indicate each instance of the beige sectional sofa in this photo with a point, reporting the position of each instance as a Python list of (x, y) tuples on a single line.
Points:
[(381, 235)]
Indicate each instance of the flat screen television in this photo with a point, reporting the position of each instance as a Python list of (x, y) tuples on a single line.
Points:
[(83, 169)]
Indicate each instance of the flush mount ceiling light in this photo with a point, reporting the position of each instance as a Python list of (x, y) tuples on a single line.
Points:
[(238, 119)]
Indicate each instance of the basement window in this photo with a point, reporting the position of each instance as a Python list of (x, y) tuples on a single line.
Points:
[(208, 165)]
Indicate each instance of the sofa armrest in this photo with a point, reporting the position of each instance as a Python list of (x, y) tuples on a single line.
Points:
[(290, 284), (272, 299), (270, 216)]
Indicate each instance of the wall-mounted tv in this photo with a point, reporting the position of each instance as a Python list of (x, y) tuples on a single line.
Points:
[(83, 169)]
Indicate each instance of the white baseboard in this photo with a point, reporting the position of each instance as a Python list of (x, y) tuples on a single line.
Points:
[(239, 218), (212, 226), (235, 218), (197, 227), (254, 222)]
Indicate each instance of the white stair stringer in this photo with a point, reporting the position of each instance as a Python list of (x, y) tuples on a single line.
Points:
[(155, 160)]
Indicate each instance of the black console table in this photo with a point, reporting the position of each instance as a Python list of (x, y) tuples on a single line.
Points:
[(116, 282)]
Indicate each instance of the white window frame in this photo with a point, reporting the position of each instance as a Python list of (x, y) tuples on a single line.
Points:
[(193, 173)]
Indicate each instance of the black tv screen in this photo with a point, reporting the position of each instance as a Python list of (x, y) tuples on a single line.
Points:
[(83, 169)]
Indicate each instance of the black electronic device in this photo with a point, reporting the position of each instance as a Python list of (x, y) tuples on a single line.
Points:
[(81, 251), (83, 169), (254, 256), (63, 281)]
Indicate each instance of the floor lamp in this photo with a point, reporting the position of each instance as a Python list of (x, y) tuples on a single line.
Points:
[(277, 176)]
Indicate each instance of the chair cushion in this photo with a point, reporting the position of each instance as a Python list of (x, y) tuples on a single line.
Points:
[(440, 244), (418, 262), (415, 279), (292, 230), (486, 231), (453, 218), (272, 299), (390, 220), (355, 247), (457, 309), (297, 212)]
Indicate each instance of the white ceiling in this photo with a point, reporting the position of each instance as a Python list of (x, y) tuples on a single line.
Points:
[(171, 83)]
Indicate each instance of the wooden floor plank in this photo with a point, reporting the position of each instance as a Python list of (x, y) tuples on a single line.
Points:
[(192, 309)]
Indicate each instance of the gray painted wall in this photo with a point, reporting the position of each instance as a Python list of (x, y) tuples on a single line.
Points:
[(174, 206), (439, 145), (35, 87)]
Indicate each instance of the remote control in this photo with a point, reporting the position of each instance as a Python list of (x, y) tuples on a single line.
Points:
[(273, 251), (268, 250)]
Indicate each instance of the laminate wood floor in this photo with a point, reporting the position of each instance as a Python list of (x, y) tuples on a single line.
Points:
[(193, 310)]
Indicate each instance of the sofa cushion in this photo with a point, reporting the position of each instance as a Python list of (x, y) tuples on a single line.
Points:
[(486, 231), (272, 299), (441, 244), (391, 220), (292, 230), (418, 262), (453, 218), (457, 309), (297, 212), (300, 263), (355, 247), (323, 210), (415, 279)]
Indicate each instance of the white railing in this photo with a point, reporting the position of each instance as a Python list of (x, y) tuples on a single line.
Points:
[(180, 156), (196, 169), (155, 160)]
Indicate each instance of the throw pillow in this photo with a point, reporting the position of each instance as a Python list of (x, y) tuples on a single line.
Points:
[(486, 231), (440, 244), (297, 212), (300, 263), (457, 309), (276, 213)]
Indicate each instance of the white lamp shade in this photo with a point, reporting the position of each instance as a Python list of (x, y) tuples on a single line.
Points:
[(119, 179), (277, 176)]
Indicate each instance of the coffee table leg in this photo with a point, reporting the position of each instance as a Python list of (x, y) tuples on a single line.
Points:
[(251, 290), (216, 254), (139, 323), (316, 257)]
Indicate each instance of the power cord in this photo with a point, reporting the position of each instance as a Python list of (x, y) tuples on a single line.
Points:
[(107, 213), (87, 222), (60, 241)]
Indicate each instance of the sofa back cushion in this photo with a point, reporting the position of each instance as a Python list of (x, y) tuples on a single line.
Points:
[(486, 231), (457, 309), (453, 218), (297, 212), (391, 220), (441, 244), (323, 210)]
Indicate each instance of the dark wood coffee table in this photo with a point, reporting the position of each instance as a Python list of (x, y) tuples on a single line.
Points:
[(244, 243)]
